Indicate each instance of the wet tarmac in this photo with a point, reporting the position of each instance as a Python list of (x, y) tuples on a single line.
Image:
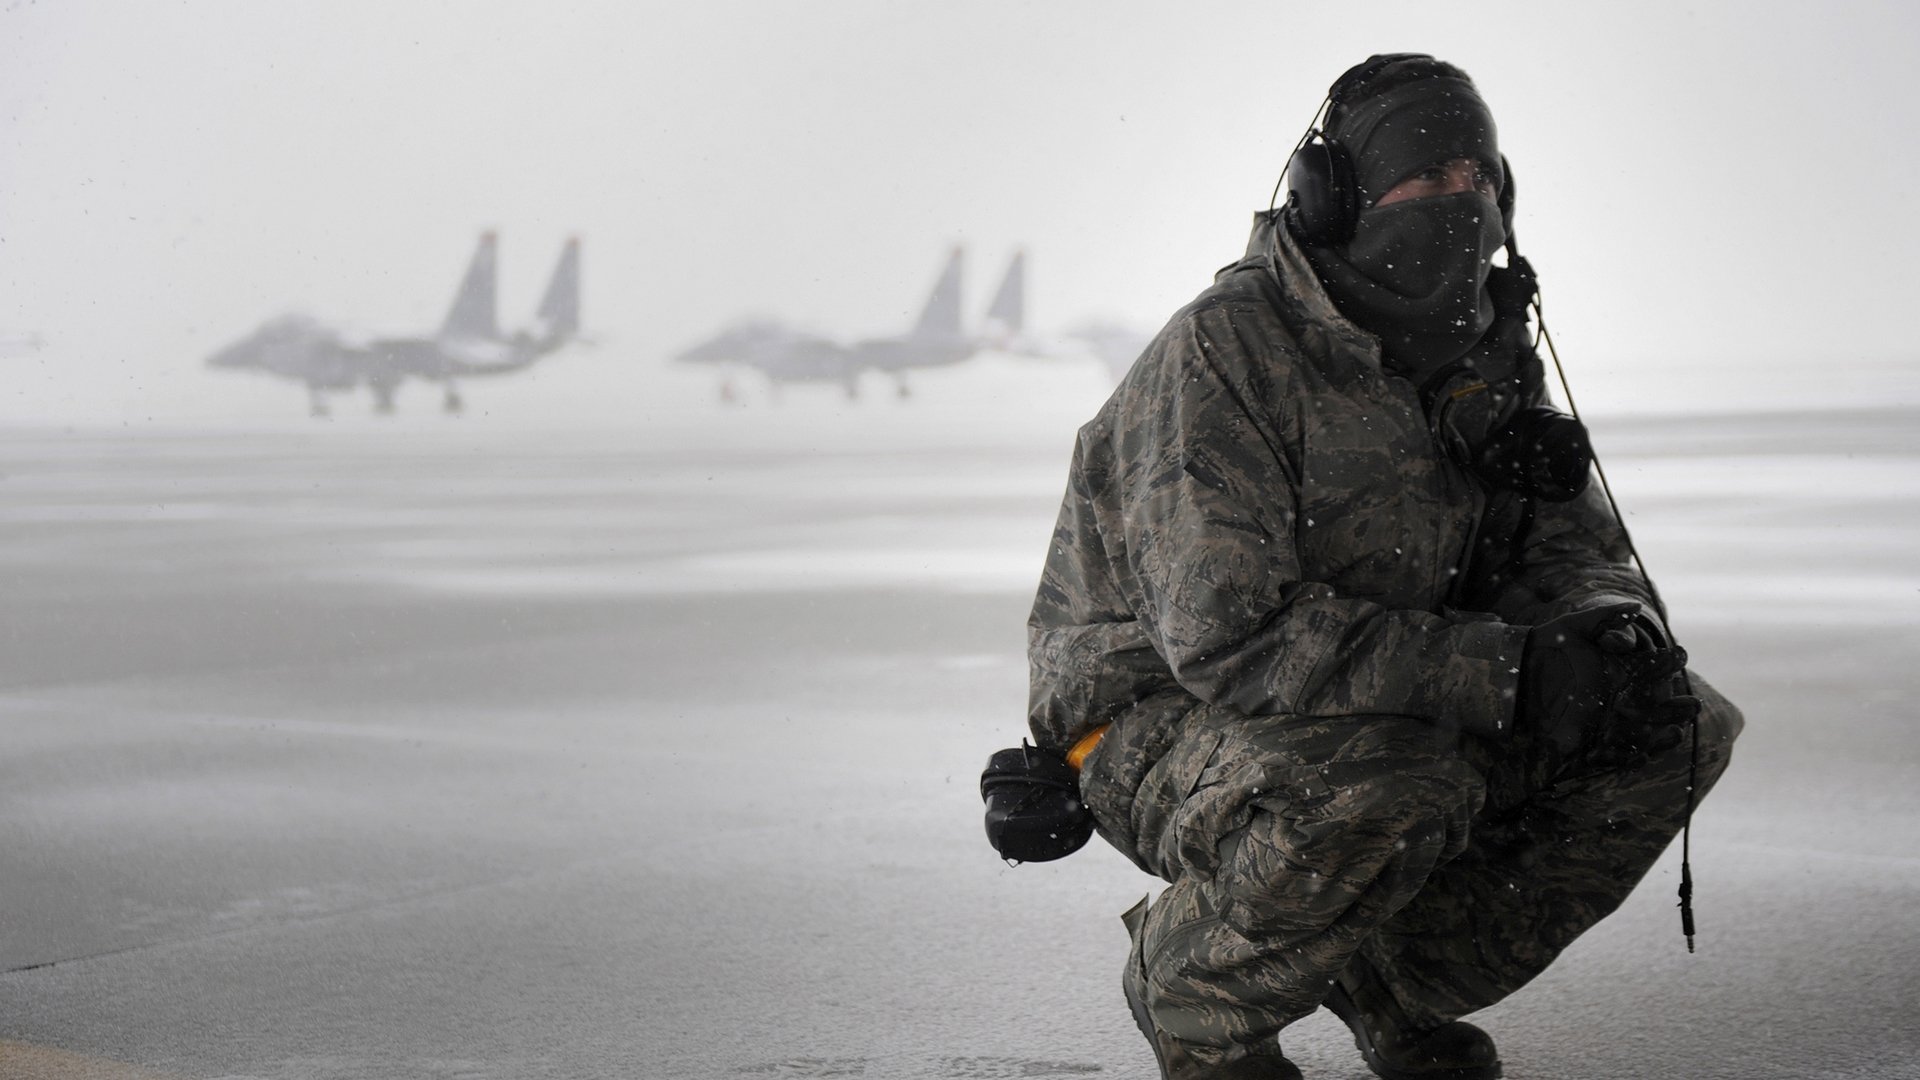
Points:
[(410, 751)]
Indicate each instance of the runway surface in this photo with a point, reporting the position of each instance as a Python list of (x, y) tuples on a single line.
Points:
[(423, 750)]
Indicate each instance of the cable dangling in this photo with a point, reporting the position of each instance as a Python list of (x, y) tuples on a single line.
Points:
[(1653, 591)]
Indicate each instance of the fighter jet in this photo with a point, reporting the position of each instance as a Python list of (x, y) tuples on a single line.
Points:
[(785, 355), (469, 343)]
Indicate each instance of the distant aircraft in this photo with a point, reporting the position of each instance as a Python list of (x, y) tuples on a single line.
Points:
[(937, 338), (469, 343), (783, 354)]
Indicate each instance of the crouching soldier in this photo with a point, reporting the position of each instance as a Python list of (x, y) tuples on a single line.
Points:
[(1339, 638)]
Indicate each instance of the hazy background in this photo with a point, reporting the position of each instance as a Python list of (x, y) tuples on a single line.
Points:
[(608, 731), (1713, 187)]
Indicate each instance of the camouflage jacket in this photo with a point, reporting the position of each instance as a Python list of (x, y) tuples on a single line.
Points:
[(1262, 517)]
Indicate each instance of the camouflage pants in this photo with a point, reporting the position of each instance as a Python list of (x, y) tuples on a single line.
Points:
[(1459, 869)]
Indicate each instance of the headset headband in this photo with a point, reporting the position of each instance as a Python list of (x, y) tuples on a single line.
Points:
[(1362, 73)]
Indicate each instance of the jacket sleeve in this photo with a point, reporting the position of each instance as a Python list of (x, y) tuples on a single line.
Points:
[(1089, 658), (1201, 511), (1541, 560)]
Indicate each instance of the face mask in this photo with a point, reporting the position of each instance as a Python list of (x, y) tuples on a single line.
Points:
[(1415, 275)]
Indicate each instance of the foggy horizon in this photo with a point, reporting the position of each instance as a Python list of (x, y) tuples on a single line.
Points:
[(172, 177)]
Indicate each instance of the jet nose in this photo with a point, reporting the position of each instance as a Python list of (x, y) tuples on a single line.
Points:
[(228, 357), (702, 353), (250, 351)]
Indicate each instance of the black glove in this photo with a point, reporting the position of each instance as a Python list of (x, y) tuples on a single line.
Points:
[(1652, 712), (1539, 451), (1604, 684)]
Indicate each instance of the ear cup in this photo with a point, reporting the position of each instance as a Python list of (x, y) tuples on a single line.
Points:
[(1322, 195)]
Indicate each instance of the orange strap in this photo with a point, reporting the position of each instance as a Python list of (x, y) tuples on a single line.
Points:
[(1085, 746)]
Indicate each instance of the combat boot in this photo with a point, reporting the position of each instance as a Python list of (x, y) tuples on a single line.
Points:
[(1184, 1061), (1394, 1047)]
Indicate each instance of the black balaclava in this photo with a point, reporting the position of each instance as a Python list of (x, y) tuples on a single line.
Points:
[(1415, 273)]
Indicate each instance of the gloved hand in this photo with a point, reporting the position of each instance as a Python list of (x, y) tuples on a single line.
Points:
[(1651, 714), (1604, 684)]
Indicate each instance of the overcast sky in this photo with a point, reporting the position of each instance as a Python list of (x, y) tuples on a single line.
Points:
[(1699, 184)]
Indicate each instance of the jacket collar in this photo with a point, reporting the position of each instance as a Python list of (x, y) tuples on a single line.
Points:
[(1304, 299)]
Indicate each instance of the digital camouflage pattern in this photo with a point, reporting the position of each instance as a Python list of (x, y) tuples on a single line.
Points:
[(1304, 623)]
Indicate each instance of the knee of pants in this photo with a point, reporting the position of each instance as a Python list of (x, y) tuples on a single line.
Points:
[(1721, 721), (1362, 851)]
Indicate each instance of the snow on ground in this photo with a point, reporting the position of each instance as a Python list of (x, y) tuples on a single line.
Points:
[(646, 746)]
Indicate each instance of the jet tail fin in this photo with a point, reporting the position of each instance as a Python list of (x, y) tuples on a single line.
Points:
[(559, 314), (473, 312), (1007, 315), (940, 318)]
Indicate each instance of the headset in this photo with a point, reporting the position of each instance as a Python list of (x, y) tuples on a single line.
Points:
[(1323, 195)]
